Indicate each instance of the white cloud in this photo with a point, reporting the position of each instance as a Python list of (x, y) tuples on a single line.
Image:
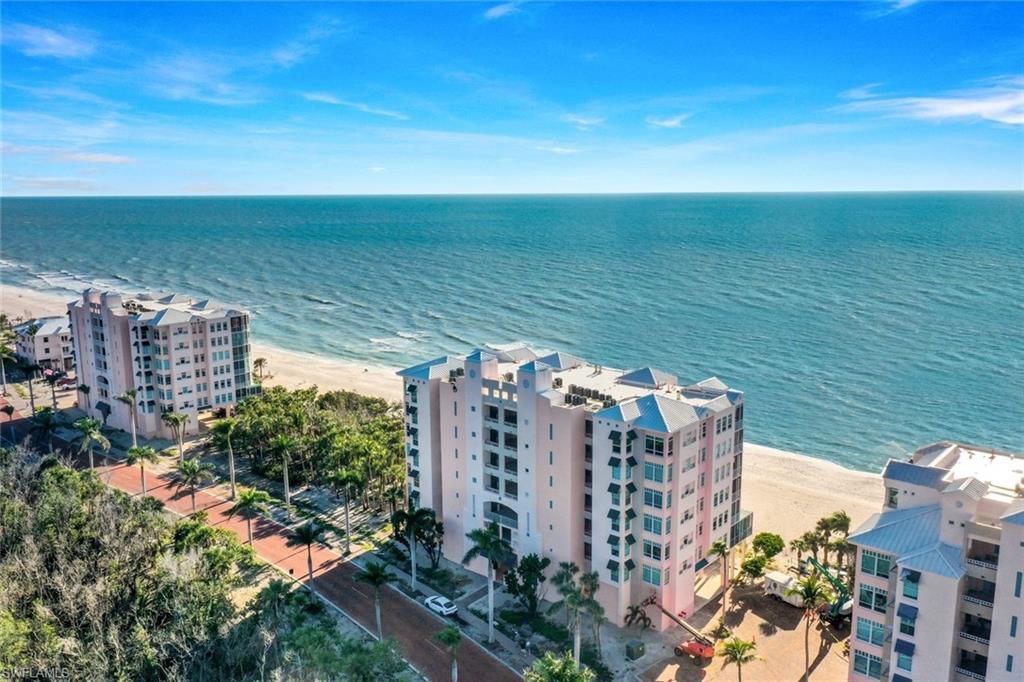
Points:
[(555, 149), (376, 169), (96, 157), (866, 91), (65, 155), (1000, 100), (308, 44), (328, 98), (668, 122), (502, 10), (53, 183), (200, 78), (583, 122), (36, 41)]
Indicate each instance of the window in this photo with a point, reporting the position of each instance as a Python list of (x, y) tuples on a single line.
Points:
[(1017, 585), (1013, 626), (866, 664), (652, 575), (908, 625), (903, 662), (651, 550), (654, 445), (652, 524), (870, 631), (654, 472), (892, 497), (873, 598), (910, 589), (873, 563), (613, 573), (1009, 663), (653, 498)]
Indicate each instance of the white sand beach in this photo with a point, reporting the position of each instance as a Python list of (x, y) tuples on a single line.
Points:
[(787, 492)]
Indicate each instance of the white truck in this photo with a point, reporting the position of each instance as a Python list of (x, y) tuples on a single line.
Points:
[(777, 583)]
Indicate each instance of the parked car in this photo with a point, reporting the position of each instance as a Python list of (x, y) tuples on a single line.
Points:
[(441, 606)]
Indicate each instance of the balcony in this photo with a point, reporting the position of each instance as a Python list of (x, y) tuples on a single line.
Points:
[(983, 564), (978, 635), (501, 519), (968, 673)]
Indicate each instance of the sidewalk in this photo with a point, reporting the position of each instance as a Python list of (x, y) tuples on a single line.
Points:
[(414, 627)]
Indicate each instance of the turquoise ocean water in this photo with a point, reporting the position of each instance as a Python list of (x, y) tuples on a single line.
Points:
[(860, 325)]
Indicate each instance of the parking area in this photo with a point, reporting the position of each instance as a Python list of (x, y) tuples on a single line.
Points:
[(778, 630)]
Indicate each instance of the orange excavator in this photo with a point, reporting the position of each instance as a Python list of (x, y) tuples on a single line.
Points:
[(701, 648)]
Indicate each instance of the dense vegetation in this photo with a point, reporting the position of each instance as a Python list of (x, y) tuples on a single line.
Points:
[(95, 584), (319, 435)]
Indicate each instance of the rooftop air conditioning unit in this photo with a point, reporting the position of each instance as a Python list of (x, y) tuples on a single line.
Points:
[(558, 382)]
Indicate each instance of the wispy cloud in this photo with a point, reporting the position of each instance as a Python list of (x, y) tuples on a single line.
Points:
[(68, 92), (50, 184), (65, 155), (1000, 100), (583, 123), (502, 10), (730, 143), (96, 157), (668, 122), (198, 77), (376, 169), (327, 98), (558, 150), (309, 43), (866, 91), (38, 41)]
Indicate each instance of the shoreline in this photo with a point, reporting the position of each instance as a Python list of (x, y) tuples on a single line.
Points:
[(788, 492)]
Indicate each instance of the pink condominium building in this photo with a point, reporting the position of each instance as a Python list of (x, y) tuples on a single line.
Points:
[(628, 474)]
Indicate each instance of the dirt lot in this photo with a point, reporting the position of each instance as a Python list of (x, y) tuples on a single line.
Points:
[(778, 630)]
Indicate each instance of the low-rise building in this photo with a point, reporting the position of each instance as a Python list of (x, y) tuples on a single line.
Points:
[(940, 571), (629, 474), (179, 354), (45, 342)]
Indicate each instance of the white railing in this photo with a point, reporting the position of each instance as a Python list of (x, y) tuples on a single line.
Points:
[(983, 564), (968, 673), (973, 638), (976, 600)]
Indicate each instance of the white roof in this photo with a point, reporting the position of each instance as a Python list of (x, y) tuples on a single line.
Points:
[(47, 326)]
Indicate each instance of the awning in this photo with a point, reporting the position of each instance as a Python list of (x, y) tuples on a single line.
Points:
[(411, 388), (910, 576), (630, 565), (613, 539), (103, 407), (614, 435), (614, 488), (613, 565), (904, 647), (614, 462), (907, 611), (631, 461), (630, 540), (900, 678), (631, 434), (613, 513), (630, 514), (631, 487)]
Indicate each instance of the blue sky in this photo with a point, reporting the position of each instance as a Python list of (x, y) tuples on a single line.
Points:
[(388, 98)]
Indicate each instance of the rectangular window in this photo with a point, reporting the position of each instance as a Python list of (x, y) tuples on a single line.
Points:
[(892, 497), (654, 472), (910, 589), (1013, 626), (551, 431), (653, 498), (866, 664), (654, 445), (652, 550), (908, 626), (652, 524), (903, 662), (652, 575), (870, 631), (873, 598), (613, 574), (874, 563), (1017, 585), (1009, 663)]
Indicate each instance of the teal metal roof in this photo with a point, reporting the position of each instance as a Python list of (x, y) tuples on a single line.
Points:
[(431, 369), (559, 360), (1015, 514), (914, 474), (647, 377), (654, 413), (938, 559), (912, 537)]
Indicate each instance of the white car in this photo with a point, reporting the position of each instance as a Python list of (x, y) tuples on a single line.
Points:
[(441, 606)]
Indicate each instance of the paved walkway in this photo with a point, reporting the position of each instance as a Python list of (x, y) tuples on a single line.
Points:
[(412, 625)]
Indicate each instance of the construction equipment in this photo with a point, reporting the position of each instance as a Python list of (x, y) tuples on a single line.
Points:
[(842, 606), (701, 648)]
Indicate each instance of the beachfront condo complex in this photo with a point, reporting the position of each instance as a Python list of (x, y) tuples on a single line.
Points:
[(46, 343), (940, 571), (179, 354), (628, 474)]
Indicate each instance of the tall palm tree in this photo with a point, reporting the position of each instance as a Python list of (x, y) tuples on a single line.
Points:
[(192, 473), (488, 545), (6, 355), (259, 364), (9, 411), (740, 652), (719, 549), (249, 504), (376, 574), (573, 603), (308, 534), (141, 455), (812, 541), (45, 424), (451, 637), (177, 421), (225, 429), (393, 496), (128, 398), (346, 480), (84, 389), (91, 436), (799, 545), (412, 522), (283, 446), (564, 581), (52, 378), (594, 609), (813, 593), (30, 370)]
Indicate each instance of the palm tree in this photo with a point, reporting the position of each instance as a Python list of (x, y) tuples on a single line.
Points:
[(307, 534), (84, 389), (91, 435), (30, 370), (488, 545), (192, 473), (636, 614), (376, 574), (393, 495), (812, 541), (799, 545), (128, 398), (225, 428), (564, 581), (52, 378), (249, 504), (412, 522), (553, 668), (451, 638), (45, 424), (9, 411), (346, 480), (573, 603), (6, 354), (141, 455), (813, 593), (740, 652), (283, 446), (594, 609), (721, 550), (259, 364), (177, 421)]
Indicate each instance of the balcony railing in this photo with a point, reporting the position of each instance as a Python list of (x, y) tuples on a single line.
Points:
[(984, 639), (980, 598), (969, 673), (983, 564), (507, 521)]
